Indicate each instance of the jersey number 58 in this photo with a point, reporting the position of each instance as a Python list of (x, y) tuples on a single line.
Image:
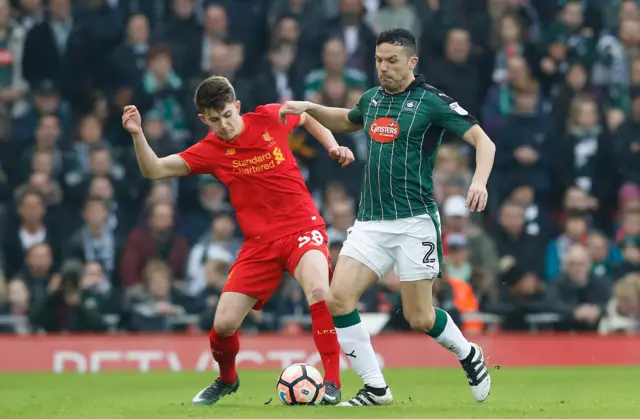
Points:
[(315, 236)]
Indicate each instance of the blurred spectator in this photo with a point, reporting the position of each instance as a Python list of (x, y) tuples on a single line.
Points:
[(630, 247), (16, 306), (342, 218), (578, 295), (48, 42), (515, 246), (575, 232), (13, 87), (334, 64), (216, 29), (64, 308), (30, 230), (585, 158), (450, 171), (626, 145), (183, 32), (157, 240), (500, 100), (457, 73), (396, 14), (29, 13), (164, 89), (44, 100), (521, 293), (49, 189), (129, 60), (510, 38), (96, 241), (278, 83), (525, 146), (537, 216), (96, 287), (457, 262), (565, 94), (623, 310), (157, 301), (481, 248), (218, 244), (47, 135), (358, 38), (603, 254), (565, 41)]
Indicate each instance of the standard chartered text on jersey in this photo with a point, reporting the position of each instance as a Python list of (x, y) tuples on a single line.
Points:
[(259, 163)]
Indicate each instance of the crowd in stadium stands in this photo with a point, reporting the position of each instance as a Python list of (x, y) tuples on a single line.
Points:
[(89, 245)]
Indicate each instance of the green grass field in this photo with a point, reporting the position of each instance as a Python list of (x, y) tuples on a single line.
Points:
[(561, 393)]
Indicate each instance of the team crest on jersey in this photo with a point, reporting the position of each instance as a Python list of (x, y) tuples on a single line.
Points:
[(230, 151), (384, 130), (267, 137), (410, 106)]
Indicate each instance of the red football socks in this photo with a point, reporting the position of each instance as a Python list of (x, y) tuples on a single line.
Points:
[(326, 340), (224, 350)]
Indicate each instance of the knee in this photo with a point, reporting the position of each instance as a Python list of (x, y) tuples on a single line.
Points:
[(422, 320), (340, 304), (316, 293), (225, 325)]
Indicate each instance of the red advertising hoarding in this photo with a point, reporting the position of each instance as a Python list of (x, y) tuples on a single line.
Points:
[(190, 352)]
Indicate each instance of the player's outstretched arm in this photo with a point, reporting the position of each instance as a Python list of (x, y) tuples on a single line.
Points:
[(485, 152), (150, 165), (335, 119), (326, 138)]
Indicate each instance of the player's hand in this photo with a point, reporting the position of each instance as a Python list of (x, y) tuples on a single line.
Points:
[(343, 154), (131, 120), (477, 197), (292, 107)]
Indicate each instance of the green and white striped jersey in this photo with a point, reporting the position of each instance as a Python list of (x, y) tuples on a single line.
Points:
[(404, 132)]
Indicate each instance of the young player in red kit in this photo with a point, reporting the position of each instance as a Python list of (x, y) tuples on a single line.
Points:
[(282, 227)]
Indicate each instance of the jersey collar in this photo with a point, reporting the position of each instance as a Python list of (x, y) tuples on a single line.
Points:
[(419, 79)]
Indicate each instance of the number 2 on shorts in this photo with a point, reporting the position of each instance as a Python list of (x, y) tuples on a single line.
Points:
[(427, 260), (316, 238)]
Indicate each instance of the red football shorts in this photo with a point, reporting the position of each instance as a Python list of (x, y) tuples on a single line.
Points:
[(259, 268)]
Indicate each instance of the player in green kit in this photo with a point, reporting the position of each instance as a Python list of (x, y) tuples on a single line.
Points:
[(398, 226)]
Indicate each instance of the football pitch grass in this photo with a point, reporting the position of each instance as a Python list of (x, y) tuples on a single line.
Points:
[(562, 393)]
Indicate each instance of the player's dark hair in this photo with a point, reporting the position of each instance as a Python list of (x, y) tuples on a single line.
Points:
[(214, 93), (399, 37)]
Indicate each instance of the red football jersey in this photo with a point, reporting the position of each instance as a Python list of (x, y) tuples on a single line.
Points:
[(265, 185)]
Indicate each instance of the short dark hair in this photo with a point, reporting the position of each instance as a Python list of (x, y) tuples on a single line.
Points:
[(399, 37), (214, 93)]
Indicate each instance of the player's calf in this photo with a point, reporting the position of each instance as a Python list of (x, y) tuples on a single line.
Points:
[(312, 272), (225, 345)]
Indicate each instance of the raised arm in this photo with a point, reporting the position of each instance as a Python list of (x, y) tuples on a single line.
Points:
[(151, 166), (335, 119)]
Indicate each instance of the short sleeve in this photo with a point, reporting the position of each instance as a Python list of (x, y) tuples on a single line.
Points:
[(448, 114), (273, 109), (355, 114), (199, 158)]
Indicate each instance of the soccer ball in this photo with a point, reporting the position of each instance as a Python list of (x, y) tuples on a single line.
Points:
[(300, 384)]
